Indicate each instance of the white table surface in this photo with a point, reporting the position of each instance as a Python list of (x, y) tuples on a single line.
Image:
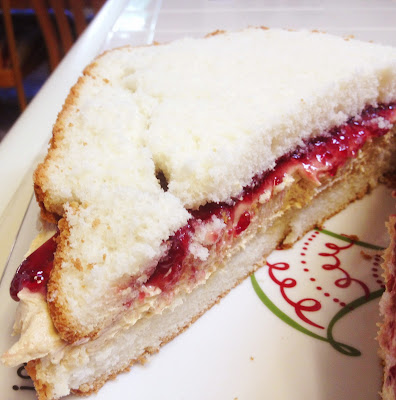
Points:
[(139, 22)]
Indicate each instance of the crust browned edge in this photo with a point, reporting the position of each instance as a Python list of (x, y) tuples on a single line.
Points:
[(56, 309)]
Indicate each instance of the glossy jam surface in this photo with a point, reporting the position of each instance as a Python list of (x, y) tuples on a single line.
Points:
[(170, 267), (243, 223), (34, 271), (320, 156)]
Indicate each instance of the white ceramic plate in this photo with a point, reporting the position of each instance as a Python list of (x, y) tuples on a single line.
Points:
[(302, 328)]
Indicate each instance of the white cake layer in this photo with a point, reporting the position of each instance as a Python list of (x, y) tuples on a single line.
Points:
[(221, 109)]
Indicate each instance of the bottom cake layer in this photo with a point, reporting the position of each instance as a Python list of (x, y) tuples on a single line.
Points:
[(84, 368)]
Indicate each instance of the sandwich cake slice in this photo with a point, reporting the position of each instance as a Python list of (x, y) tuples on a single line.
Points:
[(174, 170)]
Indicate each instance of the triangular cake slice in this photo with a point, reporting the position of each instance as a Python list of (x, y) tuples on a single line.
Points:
[(174, 170)]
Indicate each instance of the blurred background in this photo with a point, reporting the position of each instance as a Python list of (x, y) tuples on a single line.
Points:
[(34, 37), (36, 34)]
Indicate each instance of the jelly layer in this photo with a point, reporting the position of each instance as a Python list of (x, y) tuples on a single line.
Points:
[(322, 156)]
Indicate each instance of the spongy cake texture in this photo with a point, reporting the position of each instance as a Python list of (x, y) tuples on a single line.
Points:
[(207, 113), (241, 100)]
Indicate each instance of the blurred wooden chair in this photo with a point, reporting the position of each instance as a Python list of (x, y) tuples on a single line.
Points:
[(61, 23), (67, 24), (11, 73)]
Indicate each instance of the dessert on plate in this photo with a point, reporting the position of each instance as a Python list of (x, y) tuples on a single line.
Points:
[(173, 171)]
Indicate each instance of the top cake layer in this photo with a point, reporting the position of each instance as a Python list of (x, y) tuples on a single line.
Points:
[(219, 110), (211, 113)]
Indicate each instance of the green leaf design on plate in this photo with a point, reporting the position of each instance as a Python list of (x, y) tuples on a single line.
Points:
[(340, 347), (349, 240)]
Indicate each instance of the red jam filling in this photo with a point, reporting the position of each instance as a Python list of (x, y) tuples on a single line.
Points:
[(319, 156), (34, 271), (169, 269)]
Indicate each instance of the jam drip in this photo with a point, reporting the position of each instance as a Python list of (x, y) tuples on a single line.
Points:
[(320, 156), (34, 271)]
